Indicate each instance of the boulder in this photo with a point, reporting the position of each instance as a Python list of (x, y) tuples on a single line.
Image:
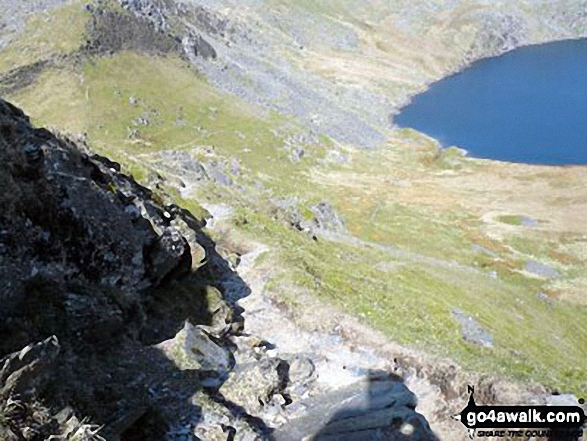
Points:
[(169, 252), (193, 349), (253, 385), (472, 331), (195, 45)]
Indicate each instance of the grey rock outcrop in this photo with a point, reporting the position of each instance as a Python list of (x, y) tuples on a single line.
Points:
[(111, 31), (195, 45), (72, 218), (472, 331), (327, 219), (541, 270), (193, 349)]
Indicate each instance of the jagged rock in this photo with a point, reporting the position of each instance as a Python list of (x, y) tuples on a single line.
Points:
[(193, 349), (197, 251), (252, 385), (75, 430), (326, 218), (170, 251), (23, 375), (24, 420), (23, 372), (197, 46)]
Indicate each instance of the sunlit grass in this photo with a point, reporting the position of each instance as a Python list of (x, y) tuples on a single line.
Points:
[(60, 32)]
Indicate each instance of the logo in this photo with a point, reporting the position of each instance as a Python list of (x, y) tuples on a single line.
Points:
[(518, 421)]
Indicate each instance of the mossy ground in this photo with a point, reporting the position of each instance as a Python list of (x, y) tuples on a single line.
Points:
[(429, 230)]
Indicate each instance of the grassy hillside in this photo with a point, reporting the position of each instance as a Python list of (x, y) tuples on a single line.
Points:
[(429, 231)]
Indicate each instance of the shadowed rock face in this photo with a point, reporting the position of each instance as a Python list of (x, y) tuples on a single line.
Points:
[(113, 31), (81, 248), (96, 269), (71, 221)]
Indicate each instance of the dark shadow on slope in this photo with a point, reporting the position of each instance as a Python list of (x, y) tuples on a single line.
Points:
[(91, 257), (380, 408)]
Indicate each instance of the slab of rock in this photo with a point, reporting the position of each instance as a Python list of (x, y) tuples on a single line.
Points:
[(193, 349), (380, 407), (472, 331), (541, 270)]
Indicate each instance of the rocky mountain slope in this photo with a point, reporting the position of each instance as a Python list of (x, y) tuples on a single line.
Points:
[(119, 318), (348, 261)]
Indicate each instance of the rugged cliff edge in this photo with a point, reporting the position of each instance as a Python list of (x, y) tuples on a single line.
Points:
[(119, 320)]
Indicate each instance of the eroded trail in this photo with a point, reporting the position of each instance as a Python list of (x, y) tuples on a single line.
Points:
[(352, 364), (358, 371)]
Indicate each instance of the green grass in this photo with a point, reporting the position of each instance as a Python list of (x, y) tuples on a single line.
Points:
[(413, 305), (59, 33), (511, 219), (184, 112), (56, 100)]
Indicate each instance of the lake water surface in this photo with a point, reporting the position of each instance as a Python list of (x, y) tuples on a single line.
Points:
[(529, 105)]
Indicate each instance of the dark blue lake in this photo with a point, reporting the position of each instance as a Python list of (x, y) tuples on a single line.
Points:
[(529, 105)]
